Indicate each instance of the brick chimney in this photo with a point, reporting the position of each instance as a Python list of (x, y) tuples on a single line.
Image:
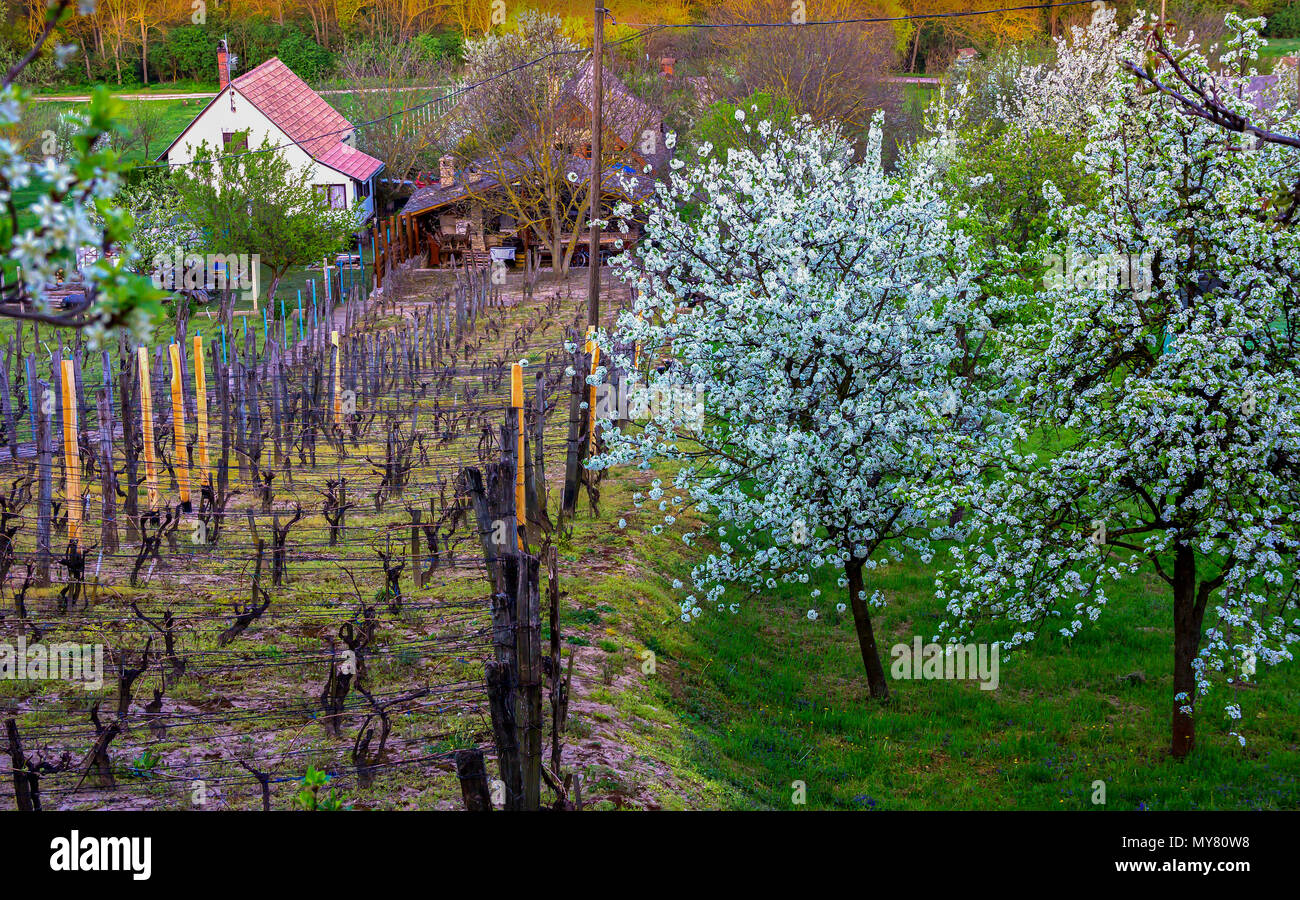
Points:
[(446, 171), (223, 65), (666, 66)]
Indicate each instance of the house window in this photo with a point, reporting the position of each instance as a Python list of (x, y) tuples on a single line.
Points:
[(363, 188), (234, 141), (334, 195)]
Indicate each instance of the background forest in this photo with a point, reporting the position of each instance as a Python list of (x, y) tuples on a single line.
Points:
[(148, 42)]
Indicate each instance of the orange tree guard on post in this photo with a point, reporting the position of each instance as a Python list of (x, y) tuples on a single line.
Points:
[(146, 416), (178, 427), (517, 404), (591, 391), (71, 456), (338, 403), (201, 409)]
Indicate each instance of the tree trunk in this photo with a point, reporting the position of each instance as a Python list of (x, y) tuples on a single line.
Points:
[(1187, 636), (275, 282), (866, 634), (559, 263)]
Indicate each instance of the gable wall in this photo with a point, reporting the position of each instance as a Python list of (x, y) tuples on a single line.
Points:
[(217, 118)]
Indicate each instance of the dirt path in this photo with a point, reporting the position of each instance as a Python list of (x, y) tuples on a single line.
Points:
[(208, 95)]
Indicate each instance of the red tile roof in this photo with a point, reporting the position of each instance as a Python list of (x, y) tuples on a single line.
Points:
[(305, 117), (350, 161)]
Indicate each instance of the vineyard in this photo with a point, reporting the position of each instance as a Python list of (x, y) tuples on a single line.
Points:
[(316, 552)]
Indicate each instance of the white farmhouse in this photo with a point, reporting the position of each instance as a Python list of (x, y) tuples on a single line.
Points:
[(270, 102)]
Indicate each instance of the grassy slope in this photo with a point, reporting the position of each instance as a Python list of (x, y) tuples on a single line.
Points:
[(177, 114), (1280, 47), (740, 707)]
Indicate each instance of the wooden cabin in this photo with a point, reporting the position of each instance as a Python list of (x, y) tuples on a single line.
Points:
[(457, 224)]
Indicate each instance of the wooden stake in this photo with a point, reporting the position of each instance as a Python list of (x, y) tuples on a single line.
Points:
[(597, 169), (45, 471)]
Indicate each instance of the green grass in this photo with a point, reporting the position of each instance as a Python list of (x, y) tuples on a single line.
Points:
[(766, 698), (167, 87), (176, 115), (1280, 47)]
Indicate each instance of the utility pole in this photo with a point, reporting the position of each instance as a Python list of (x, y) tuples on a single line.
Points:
[(597, 170)]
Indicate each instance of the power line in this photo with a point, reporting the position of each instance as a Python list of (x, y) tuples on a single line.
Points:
[(872, 20), (464, 89), (646, 28)]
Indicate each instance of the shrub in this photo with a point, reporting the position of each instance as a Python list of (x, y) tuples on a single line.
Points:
[(308, 59), (720, 127), (1285, 22), (186, 52), (443, 46)]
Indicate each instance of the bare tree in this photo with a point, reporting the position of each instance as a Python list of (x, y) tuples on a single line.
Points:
[(527, 134), (145, 122), (823, 71), (388, 75)]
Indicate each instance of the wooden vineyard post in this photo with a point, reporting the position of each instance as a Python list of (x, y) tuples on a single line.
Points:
[(223, 397), (492, 507), (472, 773), (71, 457), (178, 427), (417, 567), (528, 637), (45, 470), (517, 625), (29, 365), (535, 467), (201, 419), (131, 502), (277, 385), (573, 449), (11, 425), (56, 385), (517, 411), (108, 490), (146, 420)]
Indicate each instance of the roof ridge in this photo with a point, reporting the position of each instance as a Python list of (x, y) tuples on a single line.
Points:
[(293, 106), (262, 65)]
